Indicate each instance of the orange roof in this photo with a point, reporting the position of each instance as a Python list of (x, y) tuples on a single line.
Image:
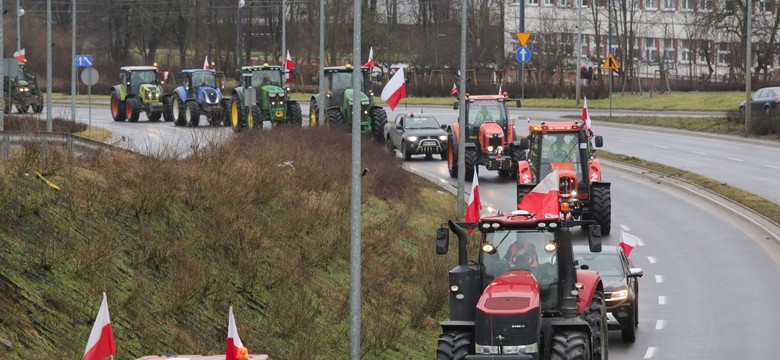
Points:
[(562, 126), (484, 97)]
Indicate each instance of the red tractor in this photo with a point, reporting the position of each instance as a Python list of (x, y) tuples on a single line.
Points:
[(567, 148), (523, 297), (490, 138)]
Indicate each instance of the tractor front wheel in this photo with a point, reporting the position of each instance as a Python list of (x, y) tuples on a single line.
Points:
[(117, 107), (294, 113), (177, 110), (37, 109), (602, 207), (22, 109), (570, 345), (378, 121), (452, 161), (453, 345), (335, 119), (154, 116), (257, 116), (471, 163), (313, 114), (235, 114), (596, 316), (192, 114), (132, 109)]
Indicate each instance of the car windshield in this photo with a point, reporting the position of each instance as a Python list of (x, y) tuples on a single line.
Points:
[(524, 250), (605, 264), (203, 78), (143, 77), (266, 77), (421, 123)]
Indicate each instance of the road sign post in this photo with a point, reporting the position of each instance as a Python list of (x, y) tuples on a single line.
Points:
[(90, 77), (522, 37), (83, 60), (609, 65)]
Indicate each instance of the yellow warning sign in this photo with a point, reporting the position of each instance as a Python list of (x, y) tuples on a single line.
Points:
[(611, 63), (522, 37)]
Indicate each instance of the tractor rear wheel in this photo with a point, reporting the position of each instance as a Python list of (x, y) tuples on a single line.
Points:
[(335, 119), (570, 345), (313, 114), (602, 207), (294, 113), (192, 114), (453, 345), (504, 173), (22, 109), (117, 107), (132, 109), (452, 160), (177, 110), (378, 121), (596, 316), (226, 112), (37, 109)]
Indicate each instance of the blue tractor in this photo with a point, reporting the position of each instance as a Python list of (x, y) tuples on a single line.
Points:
[(200, 93)]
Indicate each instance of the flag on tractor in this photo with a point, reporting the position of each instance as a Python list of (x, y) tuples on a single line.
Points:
[(586, 116), (19, 55), (288, 67), (101, 340), (543, 198), (235, 348), (475, 204), (395, 90), (206, 65), (370, 62), (454, 89)]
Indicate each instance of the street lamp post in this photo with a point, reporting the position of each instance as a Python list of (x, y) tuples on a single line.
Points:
[(19, 13), (238, 38)]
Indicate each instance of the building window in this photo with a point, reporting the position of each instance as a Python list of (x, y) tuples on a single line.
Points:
[(723, 54), (651, 51), (703, 51), (686, 5), (533, 2), (762, 6), (651, 4), (685, 51), (705, 5), (548, 2), (564, 3), (668, 4), (669, 54)]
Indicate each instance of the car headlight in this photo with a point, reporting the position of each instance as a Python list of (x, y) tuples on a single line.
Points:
[(412, 138), (443, 137), (618, 295)]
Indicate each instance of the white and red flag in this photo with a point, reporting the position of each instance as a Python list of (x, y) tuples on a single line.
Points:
[(586, 116), (206, 65), (499, 90), (475, 205), (628, 242), (234, 344), (544, 198), (454, 89), (19, 55), (395, 90), (288, 66), (101, 339), (165, 75), (370, 62)]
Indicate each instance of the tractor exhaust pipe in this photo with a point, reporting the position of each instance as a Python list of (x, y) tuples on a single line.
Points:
[(465, 282), (463, 238)]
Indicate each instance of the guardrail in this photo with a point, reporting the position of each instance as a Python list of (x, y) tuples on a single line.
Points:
[(72, 143)]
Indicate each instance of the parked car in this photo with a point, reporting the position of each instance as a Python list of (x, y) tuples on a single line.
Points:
[(621, 285), (415, 134), (764, 101)]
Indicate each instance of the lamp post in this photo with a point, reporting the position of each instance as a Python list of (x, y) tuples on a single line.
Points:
[(19, 13), (579, 51), (241, 4)]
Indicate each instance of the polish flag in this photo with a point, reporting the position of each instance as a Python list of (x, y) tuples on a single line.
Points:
[(19, 56), (165, 75), (454, 89), (586, 116), (288, 66), (628, 242), (206, 63), (543, 199), (235, 348), (370, 62), (395, 90), (475, 205), (101, 339)]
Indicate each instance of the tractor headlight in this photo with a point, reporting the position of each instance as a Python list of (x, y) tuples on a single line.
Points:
[(521, 349), (443, 137), (412, 138), (490, 148), (454, 288), (24, 89), (488, 248), (618, 295), (329, 94), (485, 349), (365, 112)]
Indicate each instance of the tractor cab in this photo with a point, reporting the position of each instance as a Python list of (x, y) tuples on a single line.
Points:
[(193, 80), (266, 75), (140, 79), (338, 79)]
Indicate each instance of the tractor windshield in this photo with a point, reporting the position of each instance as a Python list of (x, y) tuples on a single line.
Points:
[(204, 78), (557, 151), (143, 77), (523, 249), (486, 110), (267, 77), (339, 81)]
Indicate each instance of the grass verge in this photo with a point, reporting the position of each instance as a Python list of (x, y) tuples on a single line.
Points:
[(765, 207)]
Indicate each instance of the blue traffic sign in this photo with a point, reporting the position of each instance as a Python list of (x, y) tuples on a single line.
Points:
[(83, 60), (523, 54)]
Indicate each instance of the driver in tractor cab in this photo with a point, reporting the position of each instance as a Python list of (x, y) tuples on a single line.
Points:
[(265, 80), (522, 255), (561, 148), (484, 115)]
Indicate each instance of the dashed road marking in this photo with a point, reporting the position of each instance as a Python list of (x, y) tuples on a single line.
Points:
[(650, 352), (659, 279), (735, 159), (698, 152), (661, 300), (773, 167), (651, 259), (660, 146), (659, 324)]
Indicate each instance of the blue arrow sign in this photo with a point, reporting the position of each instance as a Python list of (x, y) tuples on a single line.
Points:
[(523, 54), (83, 60)]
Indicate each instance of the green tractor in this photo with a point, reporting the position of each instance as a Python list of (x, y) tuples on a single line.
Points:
[(139, 90), (338, 103), (273, 101), (20, 89)]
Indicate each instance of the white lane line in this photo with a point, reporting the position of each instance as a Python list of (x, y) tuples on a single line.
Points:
[(659, 279), (661, 300), (659, 324), (650, 352), (651, 259), (698, 152), (660, 146), (735, 159), (773, 167), (625, 227)]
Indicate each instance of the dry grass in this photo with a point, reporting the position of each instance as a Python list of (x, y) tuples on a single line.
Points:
[(174, 243)]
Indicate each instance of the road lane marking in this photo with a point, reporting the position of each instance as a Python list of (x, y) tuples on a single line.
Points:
[(735, 159), (661, 300), (773, 167), (651, 259), (698, 152), (659, 324), (625, 227), (659, 279), (661, 146), (650, 352)]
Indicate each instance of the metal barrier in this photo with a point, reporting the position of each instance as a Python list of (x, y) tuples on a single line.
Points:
[(72, 143)]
